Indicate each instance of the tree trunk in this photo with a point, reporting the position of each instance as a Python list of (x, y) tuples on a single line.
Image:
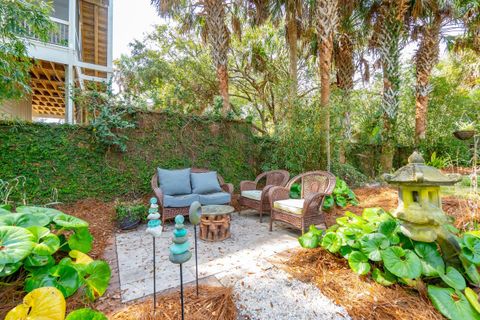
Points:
[(291, 25), (425, 59), (219, 39), (325, 65), (222, 75)]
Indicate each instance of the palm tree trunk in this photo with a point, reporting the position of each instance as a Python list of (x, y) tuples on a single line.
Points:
[(219, 38), (426, 58), (291, 25), (325, 65), (326, 19), (222, 75)]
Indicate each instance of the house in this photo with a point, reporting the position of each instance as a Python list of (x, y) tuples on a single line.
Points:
[(77, 52)]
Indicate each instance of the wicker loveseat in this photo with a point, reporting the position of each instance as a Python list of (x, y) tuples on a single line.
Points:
[(173, 205), (252, 196), (301, 213)]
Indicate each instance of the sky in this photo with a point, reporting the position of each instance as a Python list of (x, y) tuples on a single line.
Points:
[(131, 19)]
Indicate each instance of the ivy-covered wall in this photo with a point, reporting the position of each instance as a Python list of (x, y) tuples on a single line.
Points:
[(66, 160)]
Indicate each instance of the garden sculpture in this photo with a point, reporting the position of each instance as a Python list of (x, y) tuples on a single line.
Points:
[(419, 202), (154, 228), (194, 215), (179, 250)]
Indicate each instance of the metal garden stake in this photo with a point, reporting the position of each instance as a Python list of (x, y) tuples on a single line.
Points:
[(154, 228), (194, 216)]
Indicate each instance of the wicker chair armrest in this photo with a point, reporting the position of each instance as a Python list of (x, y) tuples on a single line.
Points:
[(278, 193), (159, 194), (265, 192), (247, 185), (227, 187), (313, 202)]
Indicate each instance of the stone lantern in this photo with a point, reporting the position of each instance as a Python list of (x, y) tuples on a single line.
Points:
[(419, 203)]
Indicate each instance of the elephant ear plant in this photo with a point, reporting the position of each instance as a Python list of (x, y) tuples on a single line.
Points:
[(52, 248), (374, 245)]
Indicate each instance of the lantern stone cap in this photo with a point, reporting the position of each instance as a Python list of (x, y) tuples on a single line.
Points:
[(416, 172)]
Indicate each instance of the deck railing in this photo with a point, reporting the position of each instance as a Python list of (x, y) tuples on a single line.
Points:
[(59, 36)]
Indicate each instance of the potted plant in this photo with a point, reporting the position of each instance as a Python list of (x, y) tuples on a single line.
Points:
[(129, 214), (465, 130)]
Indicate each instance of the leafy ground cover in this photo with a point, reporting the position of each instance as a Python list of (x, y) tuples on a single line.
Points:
[(366, 299)]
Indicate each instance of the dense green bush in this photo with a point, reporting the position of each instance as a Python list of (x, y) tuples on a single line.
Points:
[(67, 163)]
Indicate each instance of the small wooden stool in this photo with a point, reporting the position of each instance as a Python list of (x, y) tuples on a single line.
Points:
[(215, 222)]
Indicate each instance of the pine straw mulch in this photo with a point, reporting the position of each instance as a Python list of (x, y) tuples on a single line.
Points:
[(11, 294), (213, 303), (100, 216), (362, 297)]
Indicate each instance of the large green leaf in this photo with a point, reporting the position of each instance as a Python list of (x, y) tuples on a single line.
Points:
[(81, 240), (69, 222), (432, 262), (15, 244), (24, 220), (452, 304), (372, 244), (9, 268), (4, 211), (472, 297), (390, 229), (331, 242), (86, 314), (470, 270), (454, 279), (471, 248), (47, 245), (358, 262), (308, 240), (47, 211), (65, 278), (375, 215), (38, 232), (384, 278), (98, 278), (34, 260), (402, 263)]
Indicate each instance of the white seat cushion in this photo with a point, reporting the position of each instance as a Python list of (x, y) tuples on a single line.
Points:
[(294, 206), (252, 194)]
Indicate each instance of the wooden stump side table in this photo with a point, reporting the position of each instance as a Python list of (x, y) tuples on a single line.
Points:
[(215, 222)]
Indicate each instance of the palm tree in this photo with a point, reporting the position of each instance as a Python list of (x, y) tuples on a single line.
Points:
[(217, 34), (429, 20), (388, 38), (326, 22)]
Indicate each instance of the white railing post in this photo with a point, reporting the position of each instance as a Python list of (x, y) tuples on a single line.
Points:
[(69, 83), (110, 38)]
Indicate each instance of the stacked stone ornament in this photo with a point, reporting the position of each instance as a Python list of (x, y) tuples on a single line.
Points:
[(179, 250), (154, 226)]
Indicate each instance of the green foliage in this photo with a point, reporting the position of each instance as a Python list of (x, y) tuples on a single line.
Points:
[(66, 163), (341, 196), (133, 210), (35, 246), (438, 162), (373, 243), (311, 239), (86, 314), (108, 114), (18, 20)]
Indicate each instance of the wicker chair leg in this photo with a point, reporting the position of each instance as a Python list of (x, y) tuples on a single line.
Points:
[(261, 215), (271, 223)]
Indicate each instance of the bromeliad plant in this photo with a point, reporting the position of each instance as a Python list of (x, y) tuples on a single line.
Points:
[(52, 247), (373, 244)]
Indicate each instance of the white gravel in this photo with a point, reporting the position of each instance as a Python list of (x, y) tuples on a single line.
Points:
[(273, 294)]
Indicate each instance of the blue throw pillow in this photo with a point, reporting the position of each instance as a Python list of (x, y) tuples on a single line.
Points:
[(173, 182), (206, 182)]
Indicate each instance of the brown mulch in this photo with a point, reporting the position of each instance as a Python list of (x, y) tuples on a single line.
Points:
[(362, 297), (100, 216), (213, 303)]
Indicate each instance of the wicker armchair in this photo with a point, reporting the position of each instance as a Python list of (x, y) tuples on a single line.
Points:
[(252, 197), (301, 213), (169, 213)]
